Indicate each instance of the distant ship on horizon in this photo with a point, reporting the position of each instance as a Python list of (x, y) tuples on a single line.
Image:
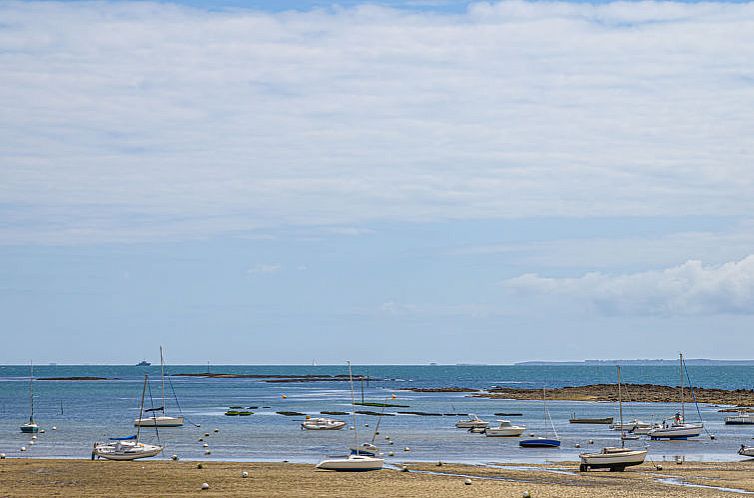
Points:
[(143, 363)]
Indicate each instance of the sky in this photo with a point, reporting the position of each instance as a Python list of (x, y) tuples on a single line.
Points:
[(389, 182)]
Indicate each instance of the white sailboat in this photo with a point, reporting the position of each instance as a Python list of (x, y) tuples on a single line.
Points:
[(127, 448), (615, 459), (677, 427), (358, 460), (163, 420), (31, 426)]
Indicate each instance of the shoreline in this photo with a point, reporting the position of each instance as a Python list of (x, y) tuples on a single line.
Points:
[(83, 477)]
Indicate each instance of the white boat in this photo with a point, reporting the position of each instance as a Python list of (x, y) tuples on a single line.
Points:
[(322, 424), (632, 426), (352, 463), (677, 427), (505, 429), (746, 451), (472, 423), (743, 418), (163, 420), (362, 458), (615, 459), (127, 448), (31, 426)]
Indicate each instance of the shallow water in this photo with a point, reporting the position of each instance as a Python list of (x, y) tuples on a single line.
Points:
[(94, 410)]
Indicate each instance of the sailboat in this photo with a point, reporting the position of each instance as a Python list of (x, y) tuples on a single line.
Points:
[(127, 448), (677, 427), (163, 420), (615, 459), (359, 459), (31, 426), (543, 442)]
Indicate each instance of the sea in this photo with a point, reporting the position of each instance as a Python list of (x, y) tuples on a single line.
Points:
[(75, 414)]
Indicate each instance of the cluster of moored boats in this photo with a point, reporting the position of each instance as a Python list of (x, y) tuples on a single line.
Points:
[(368, 457)]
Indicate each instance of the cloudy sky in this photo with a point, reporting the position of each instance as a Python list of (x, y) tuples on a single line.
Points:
[(392, 182)]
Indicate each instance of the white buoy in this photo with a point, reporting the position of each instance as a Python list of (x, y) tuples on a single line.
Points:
[(23, 448), (201, 439), (2, 456), (658, 467), (391, 454), (42, 431), (216, 430), (387, 437), (198, 425), (32, 442), (578, 445), (526, 494), (244, 474), (54, 428), (174, 457), (205, 485), (390, 442), (206, 434), (205, 445), (34, 437), (406, 449), (404, 468), (207, 452), (591, 441), (199, 466), (467, 482)]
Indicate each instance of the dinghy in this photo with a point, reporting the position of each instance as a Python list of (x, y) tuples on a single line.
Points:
[(322, 424)]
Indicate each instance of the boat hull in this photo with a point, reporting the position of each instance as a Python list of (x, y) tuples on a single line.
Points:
[(677, 432), (30, 428), (616, 460), (466, 424), (540, 443), (747, 451), (126, 452), (353, 463), (507, 432), (164, 421), (592, 421)]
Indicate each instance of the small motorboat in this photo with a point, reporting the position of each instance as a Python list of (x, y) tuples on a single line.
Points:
[(633, 426), (478, 430), (747, 451), (322, 424), (351, 463), (743, 418), (540, 442), (505, 429), (473, 422), (585, 420), (615, 459), (128, 448)]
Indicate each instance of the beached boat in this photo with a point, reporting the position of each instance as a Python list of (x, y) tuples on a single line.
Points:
[(743, 418), (615, 459), (31, 426), (677, 428), (747, 451), (163, 420), (585, 420), (127, 448), (362, 458), (472, 423), (322, 424), (505, 429), (540, 441)]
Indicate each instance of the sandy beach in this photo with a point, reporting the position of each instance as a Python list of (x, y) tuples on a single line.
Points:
[(55, 477)]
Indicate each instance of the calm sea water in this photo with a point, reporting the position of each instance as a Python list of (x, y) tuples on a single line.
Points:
[(84, 412)]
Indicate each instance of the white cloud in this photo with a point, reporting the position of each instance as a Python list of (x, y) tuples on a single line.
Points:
[(687, 289), (264, 268), (134, 121)]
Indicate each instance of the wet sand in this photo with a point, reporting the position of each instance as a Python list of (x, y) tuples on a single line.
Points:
[(43, 477)]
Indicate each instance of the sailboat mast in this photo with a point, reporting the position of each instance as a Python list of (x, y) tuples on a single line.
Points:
[(620, 411), (141, 408), (162, 374), (31, 390), (683, 407), (353, 409)]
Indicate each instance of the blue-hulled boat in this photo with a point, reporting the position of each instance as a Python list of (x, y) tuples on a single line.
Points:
[(540, 442)]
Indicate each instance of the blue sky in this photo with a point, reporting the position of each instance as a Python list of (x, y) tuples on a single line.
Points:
[(398, 182)]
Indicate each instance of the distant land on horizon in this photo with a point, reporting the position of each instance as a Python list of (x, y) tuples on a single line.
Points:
[(640, 362)]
